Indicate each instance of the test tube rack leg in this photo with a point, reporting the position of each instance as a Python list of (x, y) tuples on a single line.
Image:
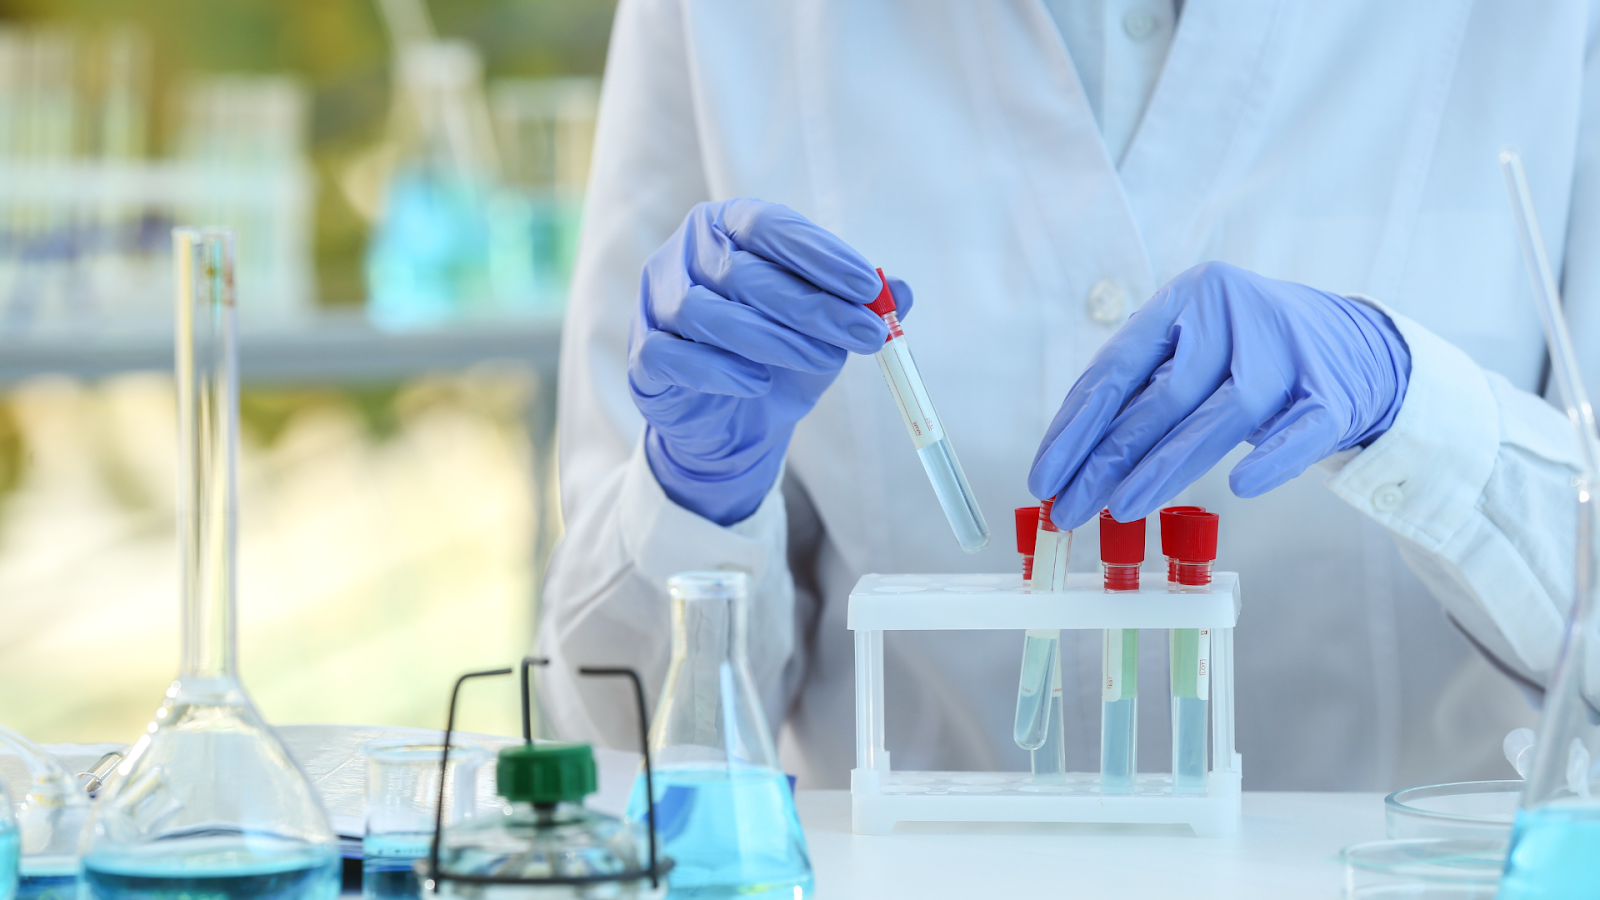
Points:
[(880, 796)]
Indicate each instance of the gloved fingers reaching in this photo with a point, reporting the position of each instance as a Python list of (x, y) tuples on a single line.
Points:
[(780, 235), (1303, 436), (1176, 391), (660, 361), (1219, 356), (788, 299), (1185, 453), (1118, 373), (707, 318)]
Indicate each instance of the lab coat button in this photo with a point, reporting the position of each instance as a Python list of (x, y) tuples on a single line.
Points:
[(1139, 24), (1387, 498), (1108, 302)]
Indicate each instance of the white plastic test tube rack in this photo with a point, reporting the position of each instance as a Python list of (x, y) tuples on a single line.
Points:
[(880, 796)]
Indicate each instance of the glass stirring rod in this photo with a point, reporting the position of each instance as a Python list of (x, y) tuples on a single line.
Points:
[(933, 447)]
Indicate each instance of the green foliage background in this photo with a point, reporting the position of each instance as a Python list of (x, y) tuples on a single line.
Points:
[(340, 49)]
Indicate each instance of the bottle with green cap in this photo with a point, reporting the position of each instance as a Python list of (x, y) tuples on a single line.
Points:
[(547, 833)]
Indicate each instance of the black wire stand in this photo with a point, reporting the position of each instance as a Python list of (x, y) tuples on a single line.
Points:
[(659, 865)]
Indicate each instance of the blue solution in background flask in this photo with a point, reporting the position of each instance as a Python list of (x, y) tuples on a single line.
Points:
[(10, 848), (725, 811), (1555, 855)]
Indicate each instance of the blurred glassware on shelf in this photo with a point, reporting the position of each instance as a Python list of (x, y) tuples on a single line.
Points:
[(50, 814), (85, 210), (475, 202), (428, 260), (545, 127)]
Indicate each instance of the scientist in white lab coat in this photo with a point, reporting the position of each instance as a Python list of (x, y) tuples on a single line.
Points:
[(1032, 172)]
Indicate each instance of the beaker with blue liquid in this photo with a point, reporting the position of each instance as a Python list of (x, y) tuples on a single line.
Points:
[(724, 809)]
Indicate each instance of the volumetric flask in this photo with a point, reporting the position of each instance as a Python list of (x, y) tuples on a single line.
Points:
[(402, 795), (724, 810), (50, 817), (208, 802)]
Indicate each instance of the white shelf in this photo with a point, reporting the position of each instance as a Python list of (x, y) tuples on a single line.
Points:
[(987, 602)]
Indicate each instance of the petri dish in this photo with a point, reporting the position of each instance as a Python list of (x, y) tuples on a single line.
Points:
[(1466, 810), (1431, 868)]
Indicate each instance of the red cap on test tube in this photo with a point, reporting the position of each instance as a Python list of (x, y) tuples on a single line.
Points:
[(884, 304), (1044, 516), (1027, 537), (1169, 536), (1121, 552), (1192, 546)]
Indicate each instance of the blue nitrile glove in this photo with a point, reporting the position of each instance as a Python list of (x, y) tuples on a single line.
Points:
[(745, 317), (1218, 356)]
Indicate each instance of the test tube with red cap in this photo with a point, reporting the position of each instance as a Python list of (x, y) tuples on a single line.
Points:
[(922, 422), (1189, 540), (1039, 727), (1051, 552), (1027, 519), (1121, 552)]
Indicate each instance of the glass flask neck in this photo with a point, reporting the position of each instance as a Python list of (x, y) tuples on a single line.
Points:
[(709, 630), (710, 714), (208, 428)]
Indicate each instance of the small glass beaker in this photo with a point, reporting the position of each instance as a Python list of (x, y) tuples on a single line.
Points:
[(402, 796), (724, 809)]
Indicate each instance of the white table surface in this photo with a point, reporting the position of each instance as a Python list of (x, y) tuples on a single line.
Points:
[(1286, 847)]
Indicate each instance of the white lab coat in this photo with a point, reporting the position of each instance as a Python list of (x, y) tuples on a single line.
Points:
[(1350, 146)]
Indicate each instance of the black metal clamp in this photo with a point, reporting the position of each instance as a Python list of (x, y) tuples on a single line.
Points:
[(659, 865)]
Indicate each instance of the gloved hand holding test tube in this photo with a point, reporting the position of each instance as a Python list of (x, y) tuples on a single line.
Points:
[(922, 422)]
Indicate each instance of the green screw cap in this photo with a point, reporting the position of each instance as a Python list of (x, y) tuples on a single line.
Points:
[(545, 774)]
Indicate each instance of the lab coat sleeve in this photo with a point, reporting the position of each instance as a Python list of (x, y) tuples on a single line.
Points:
[(604, 599), (1475, 482)]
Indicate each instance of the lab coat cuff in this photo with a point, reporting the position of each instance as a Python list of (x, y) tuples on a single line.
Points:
[(1422, 478), (663, 539)]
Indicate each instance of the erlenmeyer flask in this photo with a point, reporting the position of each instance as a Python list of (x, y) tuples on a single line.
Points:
[(208, 801), (1555, 845), (724, 809), (50, 818)]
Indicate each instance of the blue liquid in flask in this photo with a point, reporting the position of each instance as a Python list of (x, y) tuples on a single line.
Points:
[(1555, 855), (731, 834), (10, 853), (388, 865), (48, 887), (216, 869)]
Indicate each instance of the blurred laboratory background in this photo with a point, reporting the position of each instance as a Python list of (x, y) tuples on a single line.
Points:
[(406, 180)]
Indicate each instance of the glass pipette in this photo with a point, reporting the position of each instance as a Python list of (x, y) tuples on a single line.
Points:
[(933, 447)]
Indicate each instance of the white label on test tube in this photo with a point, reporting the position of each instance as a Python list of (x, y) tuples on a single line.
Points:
[(905, 383), (1202, 680), (1051, 553), (1111, 688)]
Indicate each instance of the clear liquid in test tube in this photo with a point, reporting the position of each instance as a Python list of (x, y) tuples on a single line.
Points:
[(922, 422)]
